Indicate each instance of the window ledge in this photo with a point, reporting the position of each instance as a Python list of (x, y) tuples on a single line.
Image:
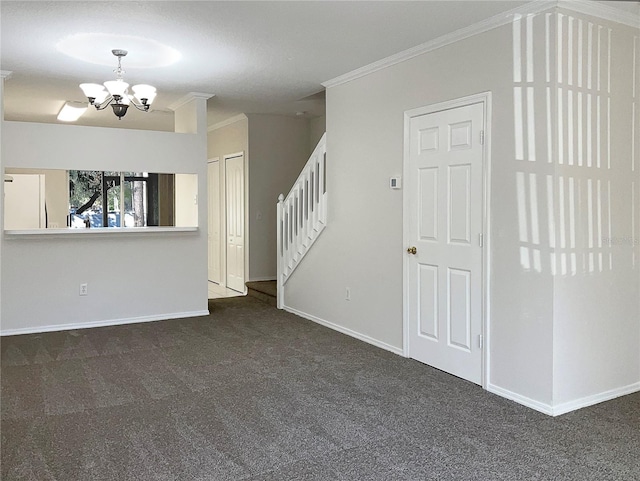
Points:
[(99, 231)]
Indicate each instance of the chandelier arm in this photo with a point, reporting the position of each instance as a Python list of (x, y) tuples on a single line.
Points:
[(104, 104), (141, 107)]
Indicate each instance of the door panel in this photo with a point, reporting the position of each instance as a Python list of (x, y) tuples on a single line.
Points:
[(428, 290), (444, 219), (459, 202), (235, 222), (429, 203)]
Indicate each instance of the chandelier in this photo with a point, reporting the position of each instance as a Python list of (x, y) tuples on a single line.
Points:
[(116, 92)]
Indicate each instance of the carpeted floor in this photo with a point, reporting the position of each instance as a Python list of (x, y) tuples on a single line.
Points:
[(253, 393)]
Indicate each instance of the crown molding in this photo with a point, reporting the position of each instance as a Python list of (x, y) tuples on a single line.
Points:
[(475, 29), (587, 7), (229, 121), (188, 98), (5, 74), (600, 10)]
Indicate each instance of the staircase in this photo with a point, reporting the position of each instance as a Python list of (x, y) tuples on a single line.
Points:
[(264, 291), (302, 216)]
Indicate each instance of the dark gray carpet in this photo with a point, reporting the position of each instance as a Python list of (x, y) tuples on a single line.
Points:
[(252, 393)]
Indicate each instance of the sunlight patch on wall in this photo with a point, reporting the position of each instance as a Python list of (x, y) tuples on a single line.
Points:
[(565, 221)]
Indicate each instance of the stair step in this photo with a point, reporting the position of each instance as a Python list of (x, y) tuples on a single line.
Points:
[(265, 291)]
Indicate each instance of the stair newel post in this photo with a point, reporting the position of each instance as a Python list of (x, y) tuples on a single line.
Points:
[(280, 254)]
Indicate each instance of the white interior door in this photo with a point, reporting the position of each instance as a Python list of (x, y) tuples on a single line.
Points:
[(234, 174), (444, 225), (213, 197)]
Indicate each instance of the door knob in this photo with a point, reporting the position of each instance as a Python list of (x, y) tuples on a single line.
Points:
[(412, 250)]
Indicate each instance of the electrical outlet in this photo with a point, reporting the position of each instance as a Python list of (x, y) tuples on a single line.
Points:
[(84, 289), (347, 294)]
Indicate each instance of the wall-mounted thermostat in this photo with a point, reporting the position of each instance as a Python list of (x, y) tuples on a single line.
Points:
[(395, 183)]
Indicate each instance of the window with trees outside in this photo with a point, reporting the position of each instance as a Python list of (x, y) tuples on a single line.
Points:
[(120, 199)]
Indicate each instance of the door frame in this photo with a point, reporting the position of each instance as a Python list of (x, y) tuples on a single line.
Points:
[(221, 199), (223, 180), (485, 99)]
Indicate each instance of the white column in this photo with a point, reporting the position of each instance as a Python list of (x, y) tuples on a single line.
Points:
[(4, 74), (190, 117)]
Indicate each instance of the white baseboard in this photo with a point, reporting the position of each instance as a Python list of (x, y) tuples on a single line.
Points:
[(520, 399), (344, 330), (260, 279), (595, 399), (566, 407), (108, 322)]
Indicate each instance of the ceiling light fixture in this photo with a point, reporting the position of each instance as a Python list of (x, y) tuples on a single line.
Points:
[(116, 92), (72, 111)]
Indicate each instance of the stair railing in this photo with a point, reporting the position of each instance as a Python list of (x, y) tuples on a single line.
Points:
[(302, 215)]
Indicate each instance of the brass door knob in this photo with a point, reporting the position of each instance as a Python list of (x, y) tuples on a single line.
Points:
[(412, 250)]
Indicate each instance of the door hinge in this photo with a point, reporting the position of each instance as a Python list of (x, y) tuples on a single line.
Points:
[(482, 137), (480, 341), (481, 240)]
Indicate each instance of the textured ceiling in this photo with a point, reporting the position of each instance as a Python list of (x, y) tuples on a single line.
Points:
[(256, 57)]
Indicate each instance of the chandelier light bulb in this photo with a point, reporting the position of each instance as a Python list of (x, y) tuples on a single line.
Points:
[(94, 91), (117, 87), (144, 93)]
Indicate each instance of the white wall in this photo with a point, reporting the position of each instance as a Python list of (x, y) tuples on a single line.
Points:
[(317, 128), (551, 336), (362, 249), (229, 139), (130, 276), (596, 314), (186, 200), (278, 150)]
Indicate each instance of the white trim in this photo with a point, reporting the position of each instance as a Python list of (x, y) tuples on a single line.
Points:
[(108, 322), (5, 74), (486, 254), (229, 121), (595, 399), (262, 279), (568, 406), (69, 231), (525, 401), (344, 330), (188, 98), (533, 7), (600, 10), (232, 156), (444, 40), (485, 99)]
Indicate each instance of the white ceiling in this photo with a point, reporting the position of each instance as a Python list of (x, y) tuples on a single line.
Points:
[(256, 57)]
